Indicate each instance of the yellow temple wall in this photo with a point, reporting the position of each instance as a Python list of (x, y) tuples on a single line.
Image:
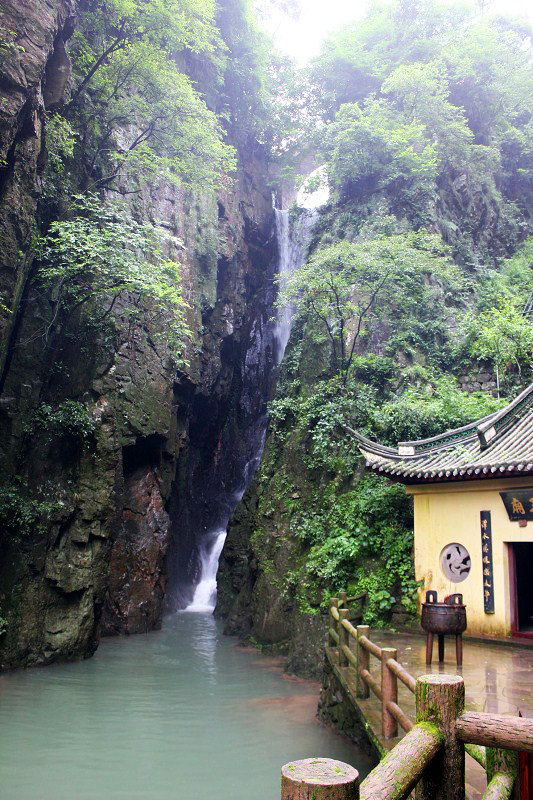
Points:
[(447, 513)]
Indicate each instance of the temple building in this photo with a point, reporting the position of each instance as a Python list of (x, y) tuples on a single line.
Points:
[(473, 514)]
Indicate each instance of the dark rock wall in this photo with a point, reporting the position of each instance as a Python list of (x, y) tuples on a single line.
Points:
[(34, 72), (95, 557), (336, 708), (228, 412), (251, 597)]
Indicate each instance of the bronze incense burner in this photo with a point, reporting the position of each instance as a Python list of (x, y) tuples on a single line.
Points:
[(447, 618)]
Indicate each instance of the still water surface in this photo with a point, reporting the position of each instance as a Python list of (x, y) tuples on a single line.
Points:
[(180, 714)]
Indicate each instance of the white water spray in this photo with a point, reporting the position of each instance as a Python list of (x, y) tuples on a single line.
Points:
[(205, 594), (293, 244)]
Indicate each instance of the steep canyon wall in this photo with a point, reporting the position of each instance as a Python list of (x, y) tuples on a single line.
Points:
[(88, 517)]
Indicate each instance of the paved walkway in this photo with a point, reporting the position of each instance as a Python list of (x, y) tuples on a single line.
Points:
[(498, 679)]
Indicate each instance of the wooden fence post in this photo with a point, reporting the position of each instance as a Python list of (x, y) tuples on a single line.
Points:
[(363, 662), (389, 691), (344, 637), (343, 600), (352, 644), (320, 779), (333, 603), (440, 700)]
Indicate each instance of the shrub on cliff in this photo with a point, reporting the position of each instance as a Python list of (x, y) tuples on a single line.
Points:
[(352, 289), (100, 253)]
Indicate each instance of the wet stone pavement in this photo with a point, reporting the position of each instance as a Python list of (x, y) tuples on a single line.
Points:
[(498, 679)]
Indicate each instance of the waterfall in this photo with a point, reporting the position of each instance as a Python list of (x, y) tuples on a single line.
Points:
[(293, 243), (205, 594)]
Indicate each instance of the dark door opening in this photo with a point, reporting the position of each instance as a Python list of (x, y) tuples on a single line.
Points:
[(522, 592)]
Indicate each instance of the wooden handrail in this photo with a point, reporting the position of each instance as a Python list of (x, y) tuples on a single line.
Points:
[(370, 646), (477, 753), (496, 730), (400, 716), (392, 671), (371, 682), (357, 597), (401, 769), (349, 627), (401, 673), (349, 655), (440, 729)]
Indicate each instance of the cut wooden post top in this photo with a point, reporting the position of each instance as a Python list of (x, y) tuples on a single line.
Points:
[(440, 678), (440, 699), (326, 777)]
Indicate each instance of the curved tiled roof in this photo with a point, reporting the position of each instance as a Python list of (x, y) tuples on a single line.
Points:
[(497, 445)]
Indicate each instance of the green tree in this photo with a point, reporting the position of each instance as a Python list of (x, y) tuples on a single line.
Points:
[(512, 281), (136, 111), (428, 409), (374, 150), (351, 287), (504, 336), (420, 92), (427, 106), (98, 255), (358, 58)]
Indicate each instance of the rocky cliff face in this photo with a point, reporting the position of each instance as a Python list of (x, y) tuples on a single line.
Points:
[(35, 74), (89, 513)]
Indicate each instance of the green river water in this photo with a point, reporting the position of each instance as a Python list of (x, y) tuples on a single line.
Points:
[(180, 714)]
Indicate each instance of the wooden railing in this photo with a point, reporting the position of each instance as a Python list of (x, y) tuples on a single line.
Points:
[(354, 650), (430, 757)]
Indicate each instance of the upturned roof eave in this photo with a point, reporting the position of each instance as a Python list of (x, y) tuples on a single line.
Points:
[(474, 445), (452, 476)]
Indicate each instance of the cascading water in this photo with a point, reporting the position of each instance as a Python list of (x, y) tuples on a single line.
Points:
[(293, 243), (205, 593)]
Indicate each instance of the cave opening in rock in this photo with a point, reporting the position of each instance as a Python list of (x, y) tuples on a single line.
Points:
[(147, 451)]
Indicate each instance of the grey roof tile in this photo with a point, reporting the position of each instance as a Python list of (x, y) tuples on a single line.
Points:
[(500, 444)]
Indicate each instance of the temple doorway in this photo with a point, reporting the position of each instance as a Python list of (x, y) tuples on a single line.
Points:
[(521, 586)]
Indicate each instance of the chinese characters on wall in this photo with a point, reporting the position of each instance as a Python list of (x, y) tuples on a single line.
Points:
[(518, 504), (486, 553)]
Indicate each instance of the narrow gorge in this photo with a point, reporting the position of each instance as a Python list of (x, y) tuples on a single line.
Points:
[(221, 264)]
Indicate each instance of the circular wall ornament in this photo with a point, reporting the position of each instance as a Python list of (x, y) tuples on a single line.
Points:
[(455, 562)]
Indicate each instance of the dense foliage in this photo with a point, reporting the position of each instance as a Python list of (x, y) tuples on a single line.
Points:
[(354, 288), (348, 531), (419, 269), (135, 111), (422, 108), (100, 254)]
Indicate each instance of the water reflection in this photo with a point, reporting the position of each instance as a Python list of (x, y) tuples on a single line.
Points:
[(204, 643)]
